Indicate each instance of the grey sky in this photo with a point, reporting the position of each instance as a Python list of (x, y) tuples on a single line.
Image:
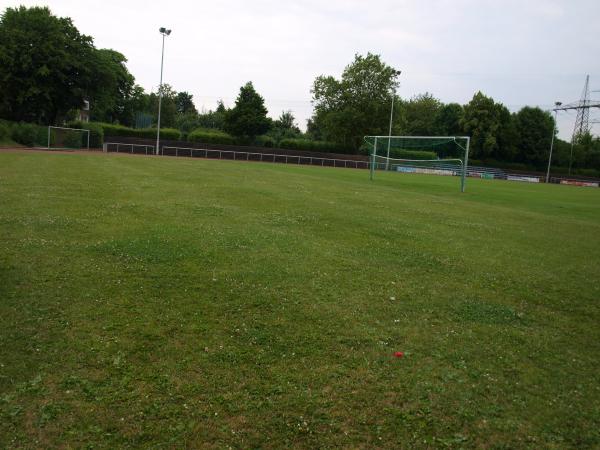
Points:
[(527, 52)]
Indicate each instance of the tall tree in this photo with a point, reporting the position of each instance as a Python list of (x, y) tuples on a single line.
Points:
[(356, 105), (248, 118), (507, 136), (535, 128), (284, 127), (447, 121), (138, 103), (481, 121), (46, 67), (286, 121), (213, 119), (184, 102), (112, 89), (419, 115), (168, 110)]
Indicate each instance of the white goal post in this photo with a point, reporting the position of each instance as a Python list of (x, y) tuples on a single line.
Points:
[(447, 161), (85, 134)]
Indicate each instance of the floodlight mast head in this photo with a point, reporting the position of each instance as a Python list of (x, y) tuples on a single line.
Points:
[(164, 31)]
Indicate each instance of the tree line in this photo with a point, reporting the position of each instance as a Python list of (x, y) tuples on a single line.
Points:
[(49, 68)]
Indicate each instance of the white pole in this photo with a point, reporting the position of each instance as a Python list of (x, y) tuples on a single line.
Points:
[(552, 144), (162, 57), (390, 132)]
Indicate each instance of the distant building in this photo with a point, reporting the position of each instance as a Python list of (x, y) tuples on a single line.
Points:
[(83, 115)]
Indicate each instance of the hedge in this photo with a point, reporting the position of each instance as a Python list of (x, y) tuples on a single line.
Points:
[(315, 146), (29, 134), (211, 136), (150, 133), (95, 129), (4, 131), (411, 154), (265, 141)]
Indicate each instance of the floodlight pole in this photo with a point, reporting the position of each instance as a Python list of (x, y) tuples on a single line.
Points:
[(557, 104), (373, 157), (387, 161), (164, 33), (463, 177)]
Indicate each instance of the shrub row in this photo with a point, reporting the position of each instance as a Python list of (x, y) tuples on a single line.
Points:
[(314, 146), (211, 136), (412, 154), (4, 131), (95, 129), (110, 129), (24, 133)]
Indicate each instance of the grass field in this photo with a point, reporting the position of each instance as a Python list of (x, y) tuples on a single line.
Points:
[(169, 303)]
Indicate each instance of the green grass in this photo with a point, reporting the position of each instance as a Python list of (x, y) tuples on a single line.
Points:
[(170, 303)]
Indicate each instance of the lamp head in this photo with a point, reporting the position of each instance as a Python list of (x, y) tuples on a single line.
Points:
[(164, 31), (558, 103)]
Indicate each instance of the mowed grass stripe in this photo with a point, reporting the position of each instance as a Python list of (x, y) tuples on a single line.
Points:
[(168, 302)]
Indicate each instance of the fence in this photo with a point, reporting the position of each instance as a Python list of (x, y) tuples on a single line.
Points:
[(119, 147), (234, 155)]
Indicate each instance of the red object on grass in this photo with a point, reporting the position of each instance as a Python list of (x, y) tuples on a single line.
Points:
[(399, 354)]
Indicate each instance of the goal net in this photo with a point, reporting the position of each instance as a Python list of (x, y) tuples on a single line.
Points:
[(61, 138), (429, 155)]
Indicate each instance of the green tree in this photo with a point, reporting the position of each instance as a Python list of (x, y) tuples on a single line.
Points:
[(136, 105), (356, 105), (507, 136), (419, 115), (113, 87), (47, 65), (447, 120), (213, 119), (535, 128), (248, 118), (481, 121), (284, 127), (287, 121), (185, 104), (168, 110)]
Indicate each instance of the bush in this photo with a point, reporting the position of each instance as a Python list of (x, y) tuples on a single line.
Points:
[(29, 134), (314, 146), (411, 154), (208, 136), (148, 133), (265, 141), (95, 129), (4, 131)]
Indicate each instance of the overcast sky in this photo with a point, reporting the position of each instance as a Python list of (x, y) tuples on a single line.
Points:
[(527, 52)]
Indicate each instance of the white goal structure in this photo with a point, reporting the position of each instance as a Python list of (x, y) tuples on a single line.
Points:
[(429, 155), (63, 138)]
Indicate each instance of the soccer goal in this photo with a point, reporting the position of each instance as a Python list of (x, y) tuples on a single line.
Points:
[(431, 155), (62, 138)]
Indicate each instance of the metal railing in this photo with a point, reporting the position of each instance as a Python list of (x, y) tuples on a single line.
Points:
[(262, 157), (119, 147)]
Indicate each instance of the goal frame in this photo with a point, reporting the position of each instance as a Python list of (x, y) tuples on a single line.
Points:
[(465, 160), (50, 128)]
